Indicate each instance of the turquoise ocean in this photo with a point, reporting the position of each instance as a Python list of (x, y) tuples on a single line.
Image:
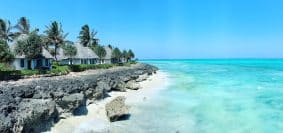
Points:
[(214, 96)]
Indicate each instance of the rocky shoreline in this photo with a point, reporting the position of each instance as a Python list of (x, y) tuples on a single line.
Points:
[(34, 105)]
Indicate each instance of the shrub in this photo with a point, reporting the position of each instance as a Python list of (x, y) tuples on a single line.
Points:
[(7, 72), (104, 66), (5, 67), (55, 63), (60, 70), (83, 67), (27, 72)]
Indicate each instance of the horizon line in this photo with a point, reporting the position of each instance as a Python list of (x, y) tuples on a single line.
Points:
[(212, 58)]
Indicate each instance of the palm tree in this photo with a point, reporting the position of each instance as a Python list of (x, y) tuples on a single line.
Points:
[(125, 55), (23, 26), (131, 54), (110, 46), (87, 37), (5, 31), (116, 54), (55, 36), (100, 52), (70, 51)]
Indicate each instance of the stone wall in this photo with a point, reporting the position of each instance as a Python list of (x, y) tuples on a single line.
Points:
[(34, 105)]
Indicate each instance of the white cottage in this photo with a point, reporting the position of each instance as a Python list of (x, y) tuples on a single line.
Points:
[(84, 56), (20, 62), (44, 62)]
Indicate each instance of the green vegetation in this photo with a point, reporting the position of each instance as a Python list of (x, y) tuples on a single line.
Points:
[(116, 55), (5, 67), (7, 72), (70, 51), (5, 30), (100, 52), (59, 70), (5, 54), (23, 26), (55, 36), (130, 55), (83, 67), (31, 47), (87, 37)]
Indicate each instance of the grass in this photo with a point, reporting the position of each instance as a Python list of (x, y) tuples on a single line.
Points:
[(83, 67), (60, 70)]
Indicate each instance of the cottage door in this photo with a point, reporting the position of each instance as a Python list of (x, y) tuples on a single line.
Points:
[(29, 64)]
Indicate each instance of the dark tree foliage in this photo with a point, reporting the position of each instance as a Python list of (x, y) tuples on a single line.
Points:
[(5, 54), (5, 31), (70, 51), (55, 36), (131, 54), (31, 47), (116, 54), (100, 52), (23, 26), (87, 37)]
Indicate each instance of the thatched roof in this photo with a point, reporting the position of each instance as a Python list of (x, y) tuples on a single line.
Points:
[(82, 53), (22, 37), (44, 53), (108, 52)]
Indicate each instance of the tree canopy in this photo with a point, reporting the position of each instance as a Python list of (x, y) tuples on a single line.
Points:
[(5, 31), (87, 37), (116, 54), (5, 54), (131, 54), (23, 26), (55, 35), (31, 47), (69, 50), (100, 51)]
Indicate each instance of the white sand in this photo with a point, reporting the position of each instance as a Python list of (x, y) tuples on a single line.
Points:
[(96, 119)]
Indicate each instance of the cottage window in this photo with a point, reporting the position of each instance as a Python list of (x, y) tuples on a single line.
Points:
[(22, 62), (39, 63)]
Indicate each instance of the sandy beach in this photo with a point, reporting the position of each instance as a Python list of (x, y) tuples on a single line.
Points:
[(96, 121)]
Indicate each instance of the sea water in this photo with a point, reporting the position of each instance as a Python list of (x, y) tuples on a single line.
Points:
[(213, 96)]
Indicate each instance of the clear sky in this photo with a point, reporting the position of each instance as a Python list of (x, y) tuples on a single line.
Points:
[(166, 28)]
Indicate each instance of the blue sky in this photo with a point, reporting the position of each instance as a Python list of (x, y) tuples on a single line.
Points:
[(166, 28)]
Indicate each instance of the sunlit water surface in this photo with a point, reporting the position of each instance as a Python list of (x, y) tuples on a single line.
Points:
[(213, 96)]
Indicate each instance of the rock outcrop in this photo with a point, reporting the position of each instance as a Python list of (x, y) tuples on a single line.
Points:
[(133, 85), (116, 109), (33, 105)]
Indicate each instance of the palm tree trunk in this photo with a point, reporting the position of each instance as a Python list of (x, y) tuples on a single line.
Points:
[(55, 55)]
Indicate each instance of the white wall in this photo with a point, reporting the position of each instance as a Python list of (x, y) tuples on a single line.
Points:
[(17, 63), (77, 61), (107, 61)]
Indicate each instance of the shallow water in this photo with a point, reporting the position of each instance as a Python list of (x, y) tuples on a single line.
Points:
[(213, 96)]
